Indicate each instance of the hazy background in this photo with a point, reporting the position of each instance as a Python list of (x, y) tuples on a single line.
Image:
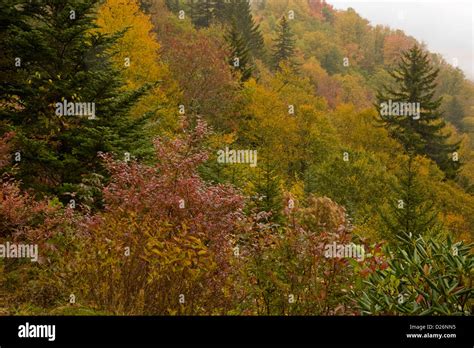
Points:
[(446, 27)]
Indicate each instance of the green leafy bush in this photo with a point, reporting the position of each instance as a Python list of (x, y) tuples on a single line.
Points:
[(434, 279)]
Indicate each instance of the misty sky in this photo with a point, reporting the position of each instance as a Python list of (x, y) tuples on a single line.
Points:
[(447, 27)]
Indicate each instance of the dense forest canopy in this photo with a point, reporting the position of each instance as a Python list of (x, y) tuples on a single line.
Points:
[(272, 157)]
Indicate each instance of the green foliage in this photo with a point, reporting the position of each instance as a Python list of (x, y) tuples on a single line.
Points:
[(201, 12), (345, 182), (412, 212), (455, 111), (415, 83), (240, 12), (266, 191), (284, 45), (63, 58), (331, 61), (433, 278), (239, 58), (178, 232), (233, 13)]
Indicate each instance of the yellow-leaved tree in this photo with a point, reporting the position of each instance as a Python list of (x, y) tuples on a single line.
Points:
[(138, 58)]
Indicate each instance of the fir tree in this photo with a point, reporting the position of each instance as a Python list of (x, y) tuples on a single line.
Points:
[(62, 58), (242, 14), (222, 11), (202, 13), (9, 61), (172, 5), (412, 212), (284, 46), (239, 13), (423, 134), (240, 57), (268, 193)]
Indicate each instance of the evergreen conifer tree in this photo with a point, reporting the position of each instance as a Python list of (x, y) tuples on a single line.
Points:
[(172, 5), (267, 187), (239, 59), (202, 12), (412, 212), (238, 13), (242, 14), (284, 46), (222, 11), (423, 133), (61, 59)]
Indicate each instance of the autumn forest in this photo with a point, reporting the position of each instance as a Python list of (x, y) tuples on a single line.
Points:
[(230, 157)]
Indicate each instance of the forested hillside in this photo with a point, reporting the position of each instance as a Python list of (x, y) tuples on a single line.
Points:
[(192, 157)]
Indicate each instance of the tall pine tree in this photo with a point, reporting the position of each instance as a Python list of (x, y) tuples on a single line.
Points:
[(172, 5), (239, 13), (424, 134), (55, 56), (268, 194), (242, 14), (412, 212), (202, 12), (284, 46), (239, 59)]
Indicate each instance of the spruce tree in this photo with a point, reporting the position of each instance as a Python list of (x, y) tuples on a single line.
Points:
[(222, 12), (9, 16), (268, 193), (172, 5), (424, 134), (411, 212), (284, 46), (239, 58), (239, 13), (62, 59), (242, 14), (202, 13)]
